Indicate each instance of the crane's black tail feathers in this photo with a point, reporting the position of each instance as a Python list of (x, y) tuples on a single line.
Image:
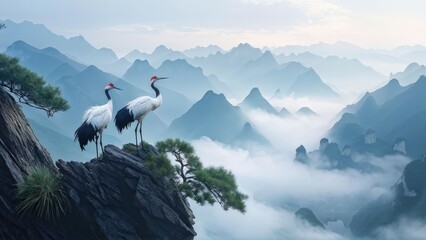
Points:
[(85, 133), (123, 119)]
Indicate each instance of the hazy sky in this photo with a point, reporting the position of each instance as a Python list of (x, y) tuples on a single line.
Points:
[(128, 24)]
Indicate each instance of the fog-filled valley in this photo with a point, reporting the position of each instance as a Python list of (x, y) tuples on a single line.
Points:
[(327, 140)]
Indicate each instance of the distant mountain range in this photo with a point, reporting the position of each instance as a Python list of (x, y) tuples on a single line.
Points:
[(157, 57), (214, 117), (346, 74), (402, 113), (411, 73), (43, 61), (39, 36), (202, 51)]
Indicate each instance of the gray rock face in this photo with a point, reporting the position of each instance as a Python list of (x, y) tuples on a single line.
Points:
[(118, 198), (19, 150), (115, 198)]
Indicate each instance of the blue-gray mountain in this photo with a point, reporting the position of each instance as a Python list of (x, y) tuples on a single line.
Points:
[(345, 74), (410, 74), (310, 85), (42, 61), (212, 116), (157, 57), (402, 115), (307, 216), (39, 36), (406, 199), (250, 138), (202, 51), (255, 100)]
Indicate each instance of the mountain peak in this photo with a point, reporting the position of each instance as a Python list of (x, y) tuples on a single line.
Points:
[(306, 111), (210, 95), (161, 49), (421, 82), (255, 92), (244, 45), (394, 82), (412, 67), (255, 100)]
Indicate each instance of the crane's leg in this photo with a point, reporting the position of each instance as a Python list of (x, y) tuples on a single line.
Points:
[(140, 132), (96, 140), (136, 135), (102, 147)]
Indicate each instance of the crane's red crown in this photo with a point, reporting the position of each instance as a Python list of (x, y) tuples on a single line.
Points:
[(110, 85), (154, 78)]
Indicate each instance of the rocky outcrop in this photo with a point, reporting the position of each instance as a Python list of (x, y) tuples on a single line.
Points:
[(115, 198), (301, 155), (406, 199), (306, 215), (118, 198), (19, 151)]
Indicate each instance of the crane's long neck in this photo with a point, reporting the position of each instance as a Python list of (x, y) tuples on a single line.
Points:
[(107, 94), (157, 92)]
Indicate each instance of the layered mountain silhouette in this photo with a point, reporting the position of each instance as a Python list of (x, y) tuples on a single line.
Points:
[(345, 74), (306, 111), (39, 36), (410, 74), (42, 61), (157, 57), (212, 116), (202, 51), (398, 116), (250, 138), (255, 100), (406, 199), (309, 84)]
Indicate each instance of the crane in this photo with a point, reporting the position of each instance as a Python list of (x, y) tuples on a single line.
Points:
[(137, 109), (95, 120)]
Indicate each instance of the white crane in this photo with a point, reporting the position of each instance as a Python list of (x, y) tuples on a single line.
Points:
[(95, 120), (137, 109)]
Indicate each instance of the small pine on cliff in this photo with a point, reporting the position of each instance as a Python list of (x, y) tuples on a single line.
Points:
[(29, 88)]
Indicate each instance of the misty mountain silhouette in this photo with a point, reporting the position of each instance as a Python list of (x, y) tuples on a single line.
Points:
[(43, 61), (309, 84), (410, 74), (306, 111), (212, 116), (406, 199), (255, 100), (250, 138), (400, 116), (346, 74), (202, 51), (39, 36)]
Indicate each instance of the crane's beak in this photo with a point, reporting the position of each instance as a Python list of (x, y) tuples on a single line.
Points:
[(118, 88), (162, 78)]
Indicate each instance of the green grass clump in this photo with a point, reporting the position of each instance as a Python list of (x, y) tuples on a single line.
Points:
[(41, 195)]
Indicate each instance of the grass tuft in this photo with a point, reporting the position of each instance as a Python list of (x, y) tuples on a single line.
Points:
[(41, 195)]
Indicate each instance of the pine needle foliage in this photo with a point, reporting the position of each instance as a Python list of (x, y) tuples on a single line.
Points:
[(29, 88), (41, 195), (204, 185)]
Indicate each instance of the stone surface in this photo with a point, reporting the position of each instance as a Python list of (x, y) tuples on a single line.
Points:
[(114, 198), (118, 198)]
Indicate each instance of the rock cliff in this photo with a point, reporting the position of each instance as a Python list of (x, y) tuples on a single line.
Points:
[(115, 198)]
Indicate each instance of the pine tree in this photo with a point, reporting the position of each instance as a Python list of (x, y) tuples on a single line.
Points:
[(29, 88), (203, 184)]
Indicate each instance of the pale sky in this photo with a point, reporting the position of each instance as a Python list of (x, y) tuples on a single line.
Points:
[(180, 24)]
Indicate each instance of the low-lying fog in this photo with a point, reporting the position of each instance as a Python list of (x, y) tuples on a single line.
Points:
[(277, 186)]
